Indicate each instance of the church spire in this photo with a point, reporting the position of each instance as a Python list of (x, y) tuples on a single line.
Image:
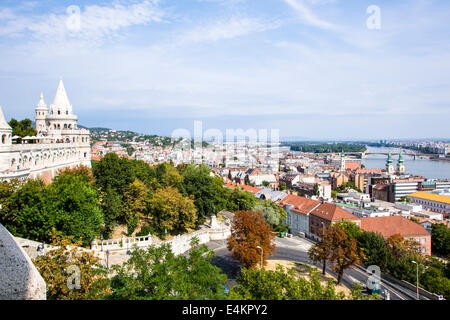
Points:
[(400, 157), (389, 159), (41, 104), (61, 102)]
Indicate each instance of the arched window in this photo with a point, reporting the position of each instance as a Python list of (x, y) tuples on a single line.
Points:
[(4, 139)]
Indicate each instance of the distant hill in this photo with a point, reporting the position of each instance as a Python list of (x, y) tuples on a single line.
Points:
[(93, 129)]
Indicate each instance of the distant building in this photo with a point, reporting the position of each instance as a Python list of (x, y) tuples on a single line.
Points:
[(298, 210), (322, 216), (433, 202), (59, 142), (389, 165), (388, 226)]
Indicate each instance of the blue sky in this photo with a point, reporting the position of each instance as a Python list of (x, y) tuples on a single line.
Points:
[(310, 68)]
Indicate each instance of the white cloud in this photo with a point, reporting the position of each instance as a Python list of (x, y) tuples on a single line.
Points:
[(227, 29), (307, 16), (96, 22)]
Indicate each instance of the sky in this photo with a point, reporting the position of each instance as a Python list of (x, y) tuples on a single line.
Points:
[(314, 69)]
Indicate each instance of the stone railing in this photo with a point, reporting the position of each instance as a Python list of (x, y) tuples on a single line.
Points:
[(122, 243), (180, 244)]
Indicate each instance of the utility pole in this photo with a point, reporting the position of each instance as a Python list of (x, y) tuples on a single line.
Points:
[(417, 278)]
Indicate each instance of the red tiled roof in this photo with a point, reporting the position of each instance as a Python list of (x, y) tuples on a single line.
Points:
[(391, 225), (301, 204), (243, 187), (370, 170), (352, 166), (332, 212)]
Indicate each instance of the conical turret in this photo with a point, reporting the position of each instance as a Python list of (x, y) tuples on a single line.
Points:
[(41, 105), (3, 124), (61, 104)]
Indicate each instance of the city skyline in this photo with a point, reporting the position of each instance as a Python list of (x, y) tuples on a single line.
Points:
[(309, 68)]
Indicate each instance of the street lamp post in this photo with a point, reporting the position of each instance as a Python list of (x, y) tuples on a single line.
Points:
[(101, 240), (417, 278), (262, 252), (107, 259)]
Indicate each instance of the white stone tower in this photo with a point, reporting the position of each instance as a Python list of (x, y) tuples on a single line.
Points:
[(389, 164), (41, 115), (400, 164), (342, 165), (5, 131), (61, 116)]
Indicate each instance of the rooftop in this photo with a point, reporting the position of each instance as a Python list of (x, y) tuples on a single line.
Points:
[(388, 226), (301, 204), (332, 212), (430, 196)]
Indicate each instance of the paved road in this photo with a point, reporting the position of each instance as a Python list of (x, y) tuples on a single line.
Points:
[(295, 249)]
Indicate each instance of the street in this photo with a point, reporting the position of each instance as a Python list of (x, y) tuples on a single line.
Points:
[(295, 249)]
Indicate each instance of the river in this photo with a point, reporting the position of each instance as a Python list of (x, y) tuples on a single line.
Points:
[(431, 169)]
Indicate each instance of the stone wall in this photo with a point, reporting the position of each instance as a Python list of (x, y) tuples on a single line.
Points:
[(19, 278), (180, 244)]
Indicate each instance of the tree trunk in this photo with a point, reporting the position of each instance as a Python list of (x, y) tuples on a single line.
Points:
[(340, 274), (324, 266)]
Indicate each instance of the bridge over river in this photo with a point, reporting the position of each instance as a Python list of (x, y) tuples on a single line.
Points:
[(363, 155)]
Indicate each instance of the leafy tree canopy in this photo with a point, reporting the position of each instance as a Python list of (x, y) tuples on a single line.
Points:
[(158, 274)]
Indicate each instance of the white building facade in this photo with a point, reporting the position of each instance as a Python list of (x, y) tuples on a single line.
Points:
[(59, 142)]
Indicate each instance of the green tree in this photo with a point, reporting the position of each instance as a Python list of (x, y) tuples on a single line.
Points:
[(22, 128), (24, 211), (80, 170), (350, 228), (111, 203), (74, 207), (316, 190), (170, 211), (266, 183), (208, 191), (440, 239), (405, 199), (239, 200), (114, 172), (158, 274), (375, 249), (271, 212), (168, 176), (282, 186), (282, 284), (145, 173), (135, 204)]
